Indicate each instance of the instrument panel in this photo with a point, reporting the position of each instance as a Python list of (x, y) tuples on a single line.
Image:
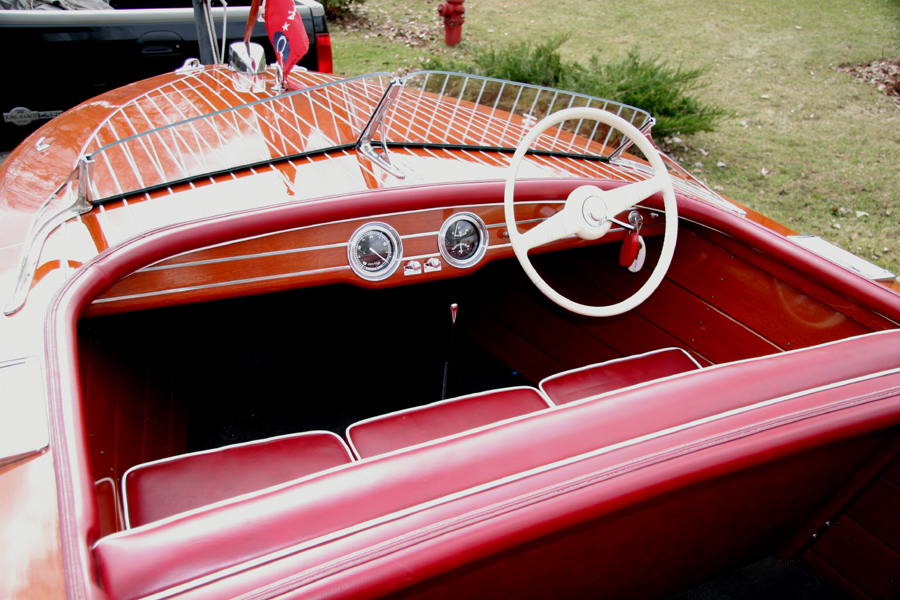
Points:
[(389, 249)]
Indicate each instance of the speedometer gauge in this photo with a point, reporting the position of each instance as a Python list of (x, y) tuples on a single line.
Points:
[(374, 251), (463, 239)]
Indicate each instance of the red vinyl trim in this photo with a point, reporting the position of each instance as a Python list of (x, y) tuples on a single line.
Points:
[(78, 519)]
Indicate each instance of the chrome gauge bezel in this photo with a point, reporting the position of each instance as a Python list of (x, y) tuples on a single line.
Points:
[(482, 239), (390, 266)]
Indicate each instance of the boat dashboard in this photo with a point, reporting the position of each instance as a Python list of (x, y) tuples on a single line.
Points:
[(380, 250)]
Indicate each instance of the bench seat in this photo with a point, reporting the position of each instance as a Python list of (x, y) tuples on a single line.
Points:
[(715, 463), (412, 426), (162, 488), (616, 374)]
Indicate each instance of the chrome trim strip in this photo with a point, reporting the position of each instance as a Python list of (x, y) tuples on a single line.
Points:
[(220, 284), (78, 186), (487, 486), (842, 258), (418, 235), (214, 261)]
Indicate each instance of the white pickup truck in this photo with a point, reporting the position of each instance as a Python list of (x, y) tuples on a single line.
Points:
[(59, 58)]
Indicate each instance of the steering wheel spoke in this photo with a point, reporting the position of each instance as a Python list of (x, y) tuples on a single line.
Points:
[(589, 211), (559, 226), (622, 198)]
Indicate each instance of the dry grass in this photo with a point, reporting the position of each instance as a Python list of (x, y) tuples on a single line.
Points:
[(809, 146)]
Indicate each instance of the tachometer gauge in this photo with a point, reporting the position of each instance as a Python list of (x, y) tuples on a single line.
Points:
[(463, 239), (375, 251)]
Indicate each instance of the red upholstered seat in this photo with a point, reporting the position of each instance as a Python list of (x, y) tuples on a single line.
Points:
[(108, 507), (585, 382), (424, 423), (162, 488), (706, 459)]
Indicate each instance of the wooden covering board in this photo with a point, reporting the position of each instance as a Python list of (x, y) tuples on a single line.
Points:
[(129, 396), (878, 511), (791, 319), (861, 558)]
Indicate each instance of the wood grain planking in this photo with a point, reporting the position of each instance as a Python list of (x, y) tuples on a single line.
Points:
[(512, 349), (878, 511), (517, 304), (861, 558), (802, 283), (247, 259), (159, 403), (628, 334), (131, 410), (133, 379), (99, 385), (791, 318), (832, 577), (247, 252), (892, 474), (840, 502), (143, 282), (696, 324), (339, 233)]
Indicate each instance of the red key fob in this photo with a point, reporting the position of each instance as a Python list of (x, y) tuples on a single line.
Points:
[(630, 248)]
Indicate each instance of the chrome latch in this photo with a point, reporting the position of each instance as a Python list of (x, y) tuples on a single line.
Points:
[(190, 65)]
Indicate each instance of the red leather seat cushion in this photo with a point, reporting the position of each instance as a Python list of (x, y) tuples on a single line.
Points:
[(108, 506), (576, 384), (159, 489), (145, 561), (422, 424)]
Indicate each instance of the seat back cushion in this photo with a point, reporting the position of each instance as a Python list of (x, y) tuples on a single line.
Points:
[(593, 380), (425, 423), (108, 506), (162, 488), (726, 420)]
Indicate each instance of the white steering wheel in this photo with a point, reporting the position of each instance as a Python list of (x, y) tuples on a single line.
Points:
[(588, 211)]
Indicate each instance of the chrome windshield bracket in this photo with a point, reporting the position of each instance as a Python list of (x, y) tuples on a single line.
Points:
[(79, 188), (627, 142), (376, 126)]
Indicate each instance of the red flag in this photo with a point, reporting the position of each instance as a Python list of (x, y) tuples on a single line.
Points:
[(287, 33)]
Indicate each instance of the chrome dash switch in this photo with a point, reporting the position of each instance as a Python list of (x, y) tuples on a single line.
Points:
[(413, 267), (432, 264)]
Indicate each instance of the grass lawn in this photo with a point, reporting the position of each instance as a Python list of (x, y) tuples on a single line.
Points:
[(808, 146)]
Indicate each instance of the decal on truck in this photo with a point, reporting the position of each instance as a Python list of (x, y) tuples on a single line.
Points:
[(24, 116)]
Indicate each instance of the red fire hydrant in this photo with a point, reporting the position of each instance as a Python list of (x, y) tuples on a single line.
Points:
[(453, 12)]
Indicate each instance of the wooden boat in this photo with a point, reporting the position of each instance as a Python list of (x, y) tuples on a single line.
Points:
[(229, 366)]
